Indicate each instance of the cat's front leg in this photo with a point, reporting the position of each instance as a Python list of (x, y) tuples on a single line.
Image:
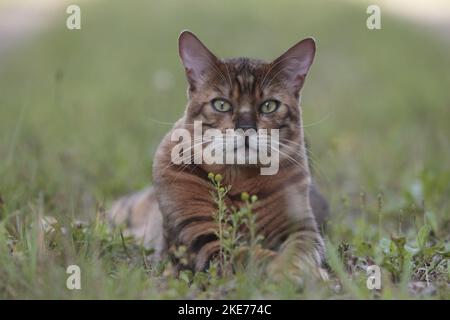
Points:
[(301, 255), (188, 214)]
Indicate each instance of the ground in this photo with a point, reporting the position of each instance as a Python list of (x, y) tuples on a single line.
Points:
[(81, 113)]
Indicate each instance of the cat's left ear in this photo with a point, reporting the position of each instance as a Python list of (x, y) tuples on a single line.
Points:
[(294, 64), (196, 58)]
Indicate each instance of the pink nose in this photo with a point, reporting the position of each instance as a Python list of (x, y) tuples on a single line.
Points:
[(246, 121)]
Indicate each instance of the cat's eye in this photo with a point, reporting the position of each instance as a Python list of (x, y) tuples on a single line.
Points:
[(221, 105), (269, 106)]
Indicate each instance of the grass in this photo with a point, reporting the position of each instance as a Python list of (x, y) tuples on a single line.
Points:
[(82, 112)]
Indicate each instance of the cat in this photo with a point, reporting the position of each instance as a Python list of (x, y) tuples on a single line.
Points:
[(237, 93)]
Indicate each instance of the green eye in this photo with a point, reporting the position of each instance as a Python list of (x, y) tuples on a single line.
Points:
[(221, 105), (269, 106)]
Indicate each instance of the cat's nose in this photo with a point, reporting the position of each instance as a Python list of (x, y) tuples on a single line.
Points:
[(246, 121), (246, 126)]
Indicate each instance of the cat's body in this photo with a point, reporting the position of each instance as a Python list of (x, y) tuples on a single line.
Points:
[(143, 219), (247, 94)]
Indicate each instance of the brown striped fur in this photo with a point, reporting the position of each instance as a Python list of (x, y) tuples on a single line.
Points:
[(178, 209)]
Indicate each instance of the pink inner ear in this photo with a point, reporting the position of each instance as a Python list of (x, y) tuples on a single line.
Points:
[(195, 63), (189, 72), (195, 56), (296, 61), (299, 62), (303, 65)]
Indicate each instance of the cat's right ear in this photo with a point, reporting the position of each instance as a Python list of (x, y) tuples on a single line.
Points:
[(294, 64), (196, 58)]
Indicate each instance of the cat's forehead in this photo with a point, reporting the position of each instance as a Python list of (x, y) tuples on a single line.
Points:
[(244, 76), (245, 67)]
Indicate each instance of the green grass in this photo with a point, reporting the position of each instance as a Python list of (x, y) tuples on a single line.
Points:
[(82, 112)]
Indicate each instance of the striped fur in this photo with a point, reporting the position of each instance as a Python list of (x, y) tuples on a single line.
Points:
[(178, 210), (140, 215)]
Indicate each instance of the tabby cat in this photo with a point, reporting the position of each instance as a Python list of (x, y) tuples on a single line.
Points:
[(235, 93)]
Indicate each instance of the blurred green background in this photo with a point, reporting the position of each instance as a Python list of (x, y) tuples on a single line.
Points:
[(82, 111)]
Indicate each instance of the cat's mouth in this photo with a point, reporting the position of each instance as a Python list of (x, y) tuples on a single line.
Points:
[(248, 143)]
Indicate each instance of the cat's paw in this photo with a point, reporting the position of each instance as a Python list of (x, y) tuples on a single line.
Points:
[(298, 271), (258, 254)]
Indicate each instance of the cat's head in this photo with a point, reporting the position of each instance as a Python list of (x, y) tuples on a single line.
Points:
[(246, 93)]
